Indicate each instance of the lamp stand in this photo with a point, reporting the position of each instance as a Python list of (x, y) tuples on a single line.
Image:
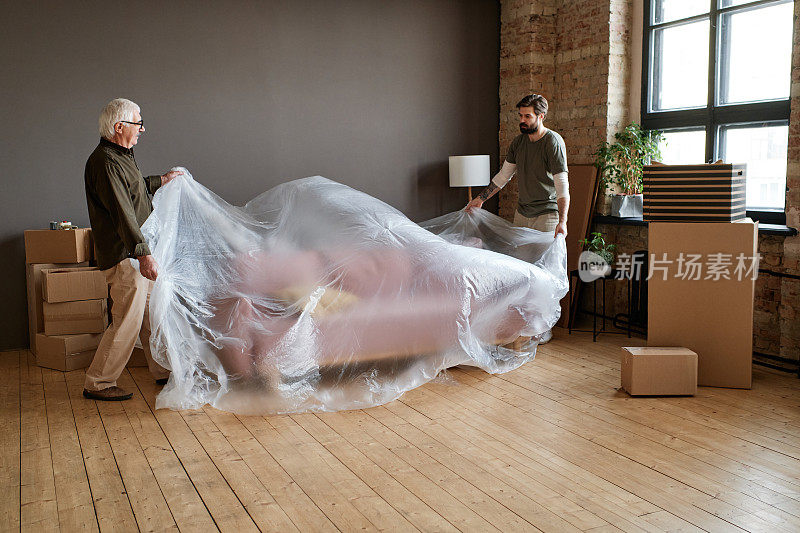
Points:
[(469, 192)]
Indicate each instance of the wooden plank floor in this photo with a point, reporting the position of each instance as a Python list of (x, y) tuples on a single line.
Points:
[(552, 446)]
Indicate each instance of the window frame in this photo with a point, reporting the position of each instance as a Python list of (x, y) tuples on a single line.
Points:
[(712, 116)]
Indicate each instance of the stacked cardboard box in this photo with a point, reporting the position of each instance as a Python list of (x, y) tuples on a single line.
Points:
[(66, 352), (700, 296), (694, 193), (58, 246), (74, 301), (67, 299), (66, 254), (33, 274)]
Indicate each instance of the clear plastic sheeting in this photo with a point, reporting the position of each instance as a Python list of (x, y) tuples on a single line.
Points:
[(315, 296)]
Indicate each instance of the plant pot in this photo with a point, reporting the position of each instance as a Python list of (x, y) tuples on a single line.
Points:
[(592, 266), (626, 205), (603, 204)]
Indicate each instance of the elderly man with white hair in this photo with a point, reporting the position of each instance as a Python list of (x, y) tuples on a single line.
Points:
[(117, 196)]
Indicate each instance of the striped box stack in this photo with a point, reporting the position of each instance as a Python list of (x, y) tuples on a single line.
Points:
[(694, 193)]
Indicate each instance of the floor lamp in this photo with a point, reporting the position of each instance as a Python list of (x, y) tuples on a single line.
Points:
[(469, 171)]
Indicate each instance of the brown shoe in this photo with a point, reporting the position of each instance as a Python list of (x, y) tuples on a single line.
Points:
[(111, 394)]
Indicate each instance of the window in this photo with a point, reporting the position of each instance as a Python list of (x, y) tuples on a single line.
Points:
[(683, 147), (763, 147), (715, 79)]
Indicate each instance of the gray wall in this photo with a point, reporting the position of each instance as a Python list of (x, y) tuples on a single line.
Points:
[(246, 95)]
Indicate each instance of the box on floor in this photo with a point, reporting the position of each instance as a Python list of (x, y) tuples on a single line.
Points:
[(66, 352), (73, 352), (137, 358), (659, 371)]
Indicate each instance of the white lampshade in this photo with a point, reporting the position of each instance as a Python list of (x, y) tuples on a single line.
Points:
[(469, 170)]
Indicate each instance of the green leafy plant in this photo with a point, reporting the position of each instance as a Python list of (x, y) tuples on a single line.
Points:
[(596, 243), (622, 161)]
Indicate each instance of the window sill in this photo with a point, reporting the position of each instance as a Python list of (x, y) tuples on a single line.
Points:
[(763, 229), (618, 221)]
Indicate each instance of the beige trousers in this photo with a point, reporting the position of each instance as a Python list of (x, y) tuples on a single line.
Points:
[(544, 222), (130, 292)]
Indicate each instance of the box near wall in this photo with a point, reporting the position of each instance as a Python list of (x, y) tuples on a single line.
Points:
[(54, 352), (70, 318), (72, 284), (706, 308), (66, 352), (33, 275), (58, 246), (694, 193), (657, 371), (138, 359)]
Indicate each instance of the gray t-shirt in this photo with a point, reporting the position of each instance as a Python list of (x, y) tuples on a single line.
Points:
[(537, 162)]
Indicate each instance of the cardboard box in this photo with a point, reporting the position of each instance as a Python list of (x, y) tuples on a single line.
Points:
[(54, 353), (137, 359), (58, 246), (694, 193), (33, 275), (73, 284), (70, 318), (656, 371), (66, 352), (711, 317)]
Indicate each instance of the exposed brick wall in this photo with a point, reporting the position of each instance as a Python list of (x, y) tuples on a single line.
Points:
[(789, 306), (619, 66), (577, 53), (766, 316), (580, 103), (527, 63), (574, 53)]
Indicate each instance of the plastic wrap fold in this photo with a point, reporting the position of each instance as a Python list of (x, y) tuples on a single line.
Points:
[(315, 296)]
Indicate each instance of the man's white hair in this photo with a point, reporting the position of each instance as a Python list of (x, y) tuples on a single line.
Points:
[(114, 111)]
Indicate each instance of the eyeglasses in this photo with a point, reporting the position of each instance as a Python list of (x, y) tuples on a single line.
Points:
[(140, 124)]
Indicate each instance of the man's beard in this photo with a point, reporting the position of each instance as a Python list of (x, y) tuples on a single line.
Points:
[(524, 128)]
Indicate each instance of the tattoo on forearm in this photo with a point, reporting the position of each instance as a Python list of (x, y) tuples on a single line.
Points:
[(488, 191)]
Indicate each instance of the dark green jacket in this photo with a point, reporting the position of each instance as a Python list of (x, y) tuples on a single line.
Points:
[(118, 202)]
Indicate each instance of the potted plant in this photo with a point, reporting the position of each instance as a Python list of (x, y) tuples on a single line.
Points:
[(596, 244), (621, 163)]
